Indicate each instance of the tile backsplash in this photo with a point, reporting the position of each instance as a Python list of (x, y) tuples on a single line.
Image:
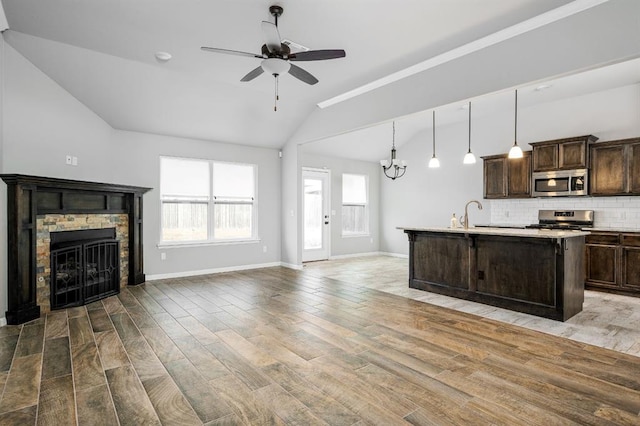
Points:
[(610, 212)]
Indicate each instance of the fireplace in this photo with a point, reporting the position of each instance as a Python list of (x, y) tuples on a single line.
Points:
[(39, 207), (85, 266)]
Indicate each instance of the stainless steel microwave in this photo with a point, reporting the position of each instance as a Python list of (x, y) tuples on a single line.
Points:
[(560, 183)]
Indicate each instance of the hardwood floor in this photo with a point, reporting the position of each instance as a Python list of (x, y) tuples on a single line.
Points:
[(319, 346)]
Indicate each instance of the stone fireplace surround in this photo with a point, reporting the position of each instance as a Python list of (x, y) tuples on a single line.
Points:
[(37, 206), (49, 223)]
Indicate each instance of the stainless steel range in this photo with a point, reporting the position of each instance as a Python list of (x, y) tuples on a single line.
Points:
[(563, 219)]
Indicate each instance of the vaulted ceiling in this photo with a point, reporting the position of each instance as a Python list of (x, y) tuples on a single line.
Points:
[(102, 53)]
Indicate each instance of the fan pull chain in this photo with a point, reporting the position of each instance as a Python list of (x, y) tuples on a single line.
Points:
[(275, 103)]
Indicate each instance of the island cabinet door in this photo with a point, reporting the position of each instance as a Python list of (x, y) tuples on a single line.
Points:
[(441, 259), (517, 269)]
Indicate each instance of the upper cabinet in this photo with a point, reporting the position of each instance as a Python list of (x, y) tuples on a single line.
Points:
[(615, 168), (507, 178), (562, 154)]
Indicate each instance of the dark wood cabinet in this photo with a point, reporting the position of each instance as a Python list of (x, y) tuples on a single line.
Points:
[(507, 178), (630, 259), (613, 262), (545, 158), (615, 168), (562, 154)]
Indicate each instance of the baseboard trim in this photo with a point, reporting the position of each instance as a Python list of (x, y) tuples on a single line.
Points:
[(155, 277), (183, 274), (352, 255), (291, 266), (400, 255)]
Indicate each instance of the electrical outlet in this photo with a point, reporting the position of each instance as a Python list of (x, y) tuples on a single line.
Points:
[(264, 249), (68, 160), (163, 256), (74, 161)]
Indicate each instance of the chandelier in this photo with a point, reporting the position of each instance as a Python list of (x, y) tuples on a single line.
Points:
[(393, 168)]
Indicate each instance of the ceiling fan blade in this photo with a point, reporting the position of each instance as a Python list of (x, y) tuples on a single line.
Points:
[(271, 37), (231, 52), (302, 75), (317, 55), (252, 74)]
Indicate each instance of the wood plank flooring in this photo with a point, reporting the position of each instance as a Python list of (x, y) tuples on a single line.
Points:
[(277, 346)]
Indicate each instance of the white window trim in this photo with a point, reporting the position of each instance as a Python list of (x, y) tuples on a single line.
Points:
[(211, 241)]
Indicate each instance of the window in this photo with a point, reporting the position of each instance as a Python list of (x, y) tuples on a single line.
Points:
[(355, 207), (207, 200)]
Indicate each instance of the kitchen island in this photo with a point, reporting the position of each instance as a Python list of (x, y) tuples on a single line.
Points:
[(539, 272)]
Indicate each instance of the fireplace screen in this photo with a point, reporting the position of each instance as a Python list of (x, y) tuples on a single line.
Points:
[(83, 270)]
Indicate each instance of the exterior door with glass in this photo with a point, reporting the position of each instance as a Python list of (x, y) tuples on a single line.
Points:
[(316, 214)]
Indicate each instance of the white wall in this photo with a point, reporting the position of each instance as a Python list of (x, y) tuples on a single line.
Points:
[(291, 252), (428, 197), (42, 123), (137, 160), (340, 245)]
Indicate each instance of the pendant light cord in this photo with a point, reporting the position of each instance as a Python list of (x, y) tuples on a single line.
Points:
[(434, 133), (469, 126), (275, 102), (515, 129), (393, 141)]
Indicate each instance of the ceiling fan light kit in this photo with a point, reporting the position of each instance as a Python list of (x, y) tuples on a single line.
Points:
[(276, 55)]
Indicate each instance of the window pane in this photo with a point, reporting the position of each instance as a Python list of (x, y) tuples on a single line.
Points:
[(312, 214), (184, 221), (354, 189), (233, 181), (354, 220), (184, 179), (233, 221)]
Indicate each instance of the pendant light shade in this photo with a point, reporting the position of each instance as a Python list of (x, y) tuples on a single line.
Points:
[(469, 158), (515, 151), (434, 162)]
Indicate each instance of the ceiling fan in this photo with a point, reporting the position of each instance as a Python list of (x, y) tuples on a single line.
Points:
[(277, 57)]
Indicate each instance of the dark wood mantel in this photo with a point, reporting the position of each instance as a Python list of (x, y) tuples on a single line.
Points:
[(30, 196)]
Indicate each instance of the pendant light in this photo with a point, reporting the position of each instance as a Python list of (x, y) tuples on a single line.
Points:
[(469, 158), (393, 168), (434, 162), (515, 151)]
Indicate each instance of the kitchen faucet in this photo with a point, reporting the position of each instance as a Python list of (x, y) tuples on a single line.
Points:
[(465, 219)]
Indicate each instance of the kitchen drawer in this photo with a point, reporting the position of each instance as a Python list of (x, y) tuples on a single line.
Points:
[(631, 240), (603, 238)]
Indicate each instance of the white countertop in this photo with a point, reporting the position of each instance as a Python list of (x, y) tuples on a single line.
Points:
[(506, 232)]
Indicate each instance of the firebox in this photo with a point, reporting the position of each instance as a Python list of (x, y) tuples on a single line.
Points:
[(85, 266)]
